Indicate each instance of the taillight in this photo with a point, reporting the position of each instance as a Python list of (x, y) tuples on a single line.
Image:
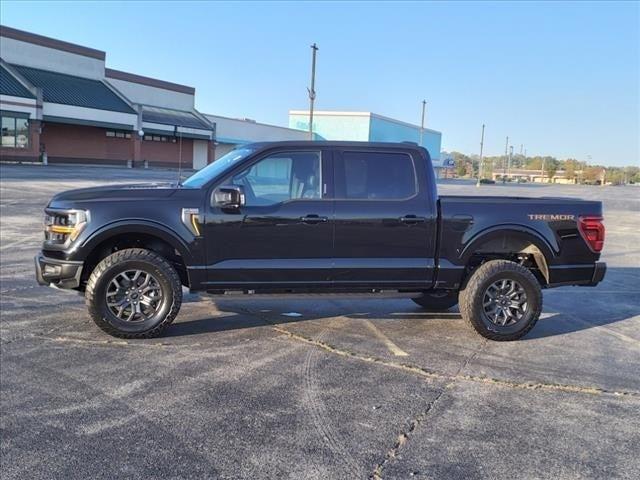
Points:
[(592, 230)]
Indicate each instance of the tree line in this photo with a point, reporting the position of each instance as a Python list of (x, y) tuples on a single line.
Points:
[(580, 171)]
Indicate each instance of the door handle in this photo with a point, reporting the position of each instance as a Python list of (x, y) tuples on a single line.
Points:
[(412, 219), (312, 219)]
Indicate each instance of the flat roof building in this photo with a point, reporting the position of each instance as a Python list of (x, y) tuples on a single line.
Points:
[(233, 132), (60, 101), (366, 127)]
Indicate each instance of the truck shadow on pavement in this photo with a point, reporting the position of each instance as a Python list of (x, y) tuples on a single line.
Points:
[(566, 310), (245, 315)]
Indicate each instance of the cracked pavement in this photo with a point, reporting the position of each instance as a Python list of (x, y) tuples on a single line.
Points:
[(349, 389)]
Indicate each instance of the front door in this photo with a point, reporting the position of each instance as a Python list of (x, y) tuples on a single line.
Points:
[(385, 228), (282, 237)]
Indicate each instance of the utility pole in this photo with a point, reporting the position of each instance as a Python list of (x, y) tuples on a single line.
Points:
[(543, 160), (521, 147), (509, 164), (312, 90), (580, 172), (480, 165), (504, 162), (424, 108)]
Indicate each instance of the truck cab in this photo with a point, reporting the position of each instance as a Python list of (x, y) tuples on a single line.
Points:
[(332, 216)]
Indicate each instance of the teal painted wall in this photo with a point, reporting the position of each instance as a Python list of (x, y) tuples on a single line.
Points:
[(364, 128), (383, 130), (334, 127)]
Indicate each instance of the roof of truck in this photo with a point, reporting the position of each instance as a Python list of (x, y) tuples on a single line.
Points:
[(332, 143)]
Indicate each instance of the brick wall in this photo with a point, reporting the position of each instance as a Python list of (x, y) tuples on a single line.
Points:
[(83, 144), (167, 153), (80, 144)]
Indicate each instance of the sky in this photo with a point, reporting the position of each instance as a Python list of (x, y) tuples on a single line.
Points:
[(561, 79)]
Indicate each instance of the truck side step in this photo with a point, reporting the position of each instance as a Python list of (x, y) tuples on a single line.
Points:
[(249, 295)]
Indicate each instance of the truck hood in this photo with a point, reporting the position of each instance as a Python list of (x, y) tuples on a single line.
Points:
[(111, 193)]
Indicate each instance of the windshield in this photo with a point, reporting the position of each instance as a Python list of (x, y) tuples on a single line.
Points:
[(218, 167)]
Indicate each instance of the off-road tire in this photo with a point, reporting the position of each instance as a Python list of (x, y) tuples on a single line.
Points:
[(472, 295), (437, 301), (139, 259)]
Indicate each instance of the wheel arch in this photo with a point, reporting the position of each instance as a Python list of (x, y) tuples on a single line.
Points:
[(510, 240), (141, 234)]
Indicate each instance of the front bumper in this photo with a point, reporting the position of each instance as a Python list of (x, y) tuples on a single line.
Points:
[(58, 273)]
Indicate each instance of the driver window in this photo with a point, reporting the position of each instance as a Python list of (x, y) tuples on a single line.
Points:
[(280, 177)]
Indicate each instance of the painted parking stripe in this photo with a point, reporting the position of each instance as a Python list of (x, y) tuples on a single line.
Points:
[(393, 348)]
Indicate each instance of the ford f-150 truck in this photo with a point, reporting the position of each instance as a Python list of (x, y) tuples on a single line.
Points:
[(321, 218)]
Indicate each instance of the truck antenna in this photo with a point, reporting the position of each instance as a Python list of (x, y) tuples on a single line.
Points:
[(178, 133)]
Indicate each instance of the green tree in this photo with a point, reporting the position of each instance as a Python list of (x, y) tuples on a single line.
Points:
[(592, 174), (570, 167), (534, 163), (464, 164)]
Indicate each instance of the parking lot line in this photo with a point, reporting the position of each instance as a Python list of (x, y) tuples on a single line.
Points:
[(393, 348)]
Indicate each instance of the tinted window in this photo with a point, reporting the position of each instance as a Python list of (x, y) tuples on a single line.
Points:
[(281, 177), (378, 176)]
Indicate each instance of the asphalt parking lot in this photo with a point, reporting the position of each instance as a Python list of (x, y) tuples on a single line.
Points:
[(316, 389)]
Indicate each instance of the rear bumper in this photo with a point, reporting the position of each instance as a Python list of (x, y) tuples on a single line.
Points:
[(58, 273), (584, 275), (598, 274)]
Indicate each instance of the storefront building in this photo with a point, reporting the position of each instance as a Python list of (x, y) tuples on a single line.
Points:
[(60, 104)]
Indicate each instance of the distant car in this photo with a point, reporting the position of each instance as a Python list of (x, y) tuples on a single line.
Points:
[(487, 181), (522, 180)]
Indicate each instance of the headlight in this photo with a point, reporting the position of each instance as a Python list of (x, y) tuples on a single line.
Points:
[(62, 226)]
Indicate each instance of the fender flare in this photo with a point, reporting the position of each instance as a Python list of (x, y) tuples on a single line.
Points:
[(132, 226), (549, 250)]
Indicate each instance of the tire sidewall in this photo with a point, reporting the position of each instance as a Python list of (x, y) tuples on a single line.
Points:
[(134, 327)]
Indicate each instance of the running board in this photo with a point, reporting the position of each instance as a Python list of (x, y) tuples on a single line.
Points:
[(249, 295)]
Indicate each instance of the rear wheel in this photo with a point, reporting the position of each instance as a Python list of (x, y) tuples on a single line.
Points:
[(502, 300), (437, 301), (134, 293)]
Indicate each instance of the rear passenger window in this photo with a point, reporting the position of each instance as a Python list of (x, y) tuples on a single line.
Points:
[(378, 176)]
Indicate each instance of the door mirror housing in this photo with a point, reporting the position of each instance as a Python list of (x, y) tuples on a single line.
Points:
[(228, 196)]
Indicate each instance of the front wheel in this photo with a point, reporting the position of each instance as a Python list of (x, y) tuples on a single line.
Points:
[(134, 293), (502, 300)]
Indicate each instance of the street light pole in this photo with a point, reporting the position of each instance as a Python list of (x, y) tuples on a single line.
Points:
[(480, 165), (424, 108), (504, 162), (312, 90)]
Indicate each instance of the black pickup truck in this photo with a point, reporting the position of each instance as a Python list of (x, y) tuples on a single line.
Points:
[(322, 218)]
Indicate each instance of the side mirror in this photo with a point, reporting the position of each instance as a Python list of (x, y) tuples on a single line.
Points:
[(229, 196)]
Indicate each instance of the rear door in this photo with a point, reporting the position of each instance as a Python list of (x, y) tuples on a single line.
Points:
[(385, 220)]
